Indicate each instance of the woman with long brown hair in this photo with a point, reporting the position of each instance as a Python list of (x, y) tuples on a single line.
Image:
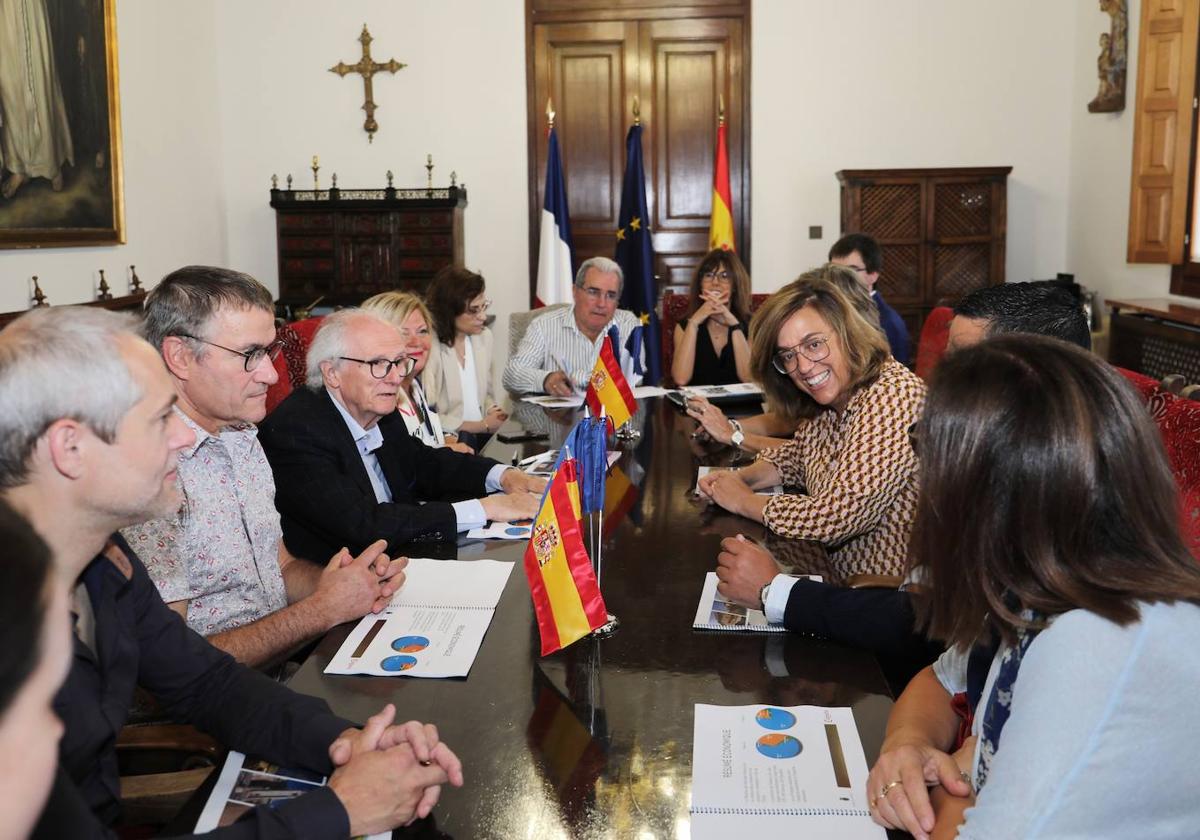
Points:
[(1048, 534), (826, 365), (710, 344)]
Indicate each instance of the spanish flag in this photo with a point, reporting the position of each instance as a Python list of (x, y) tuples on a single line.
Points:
[(566, 597), (720, 228), (607, 386)]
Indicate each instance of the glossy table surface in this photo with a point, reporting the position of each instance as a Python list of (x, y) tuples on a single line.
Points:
[(595, 741)]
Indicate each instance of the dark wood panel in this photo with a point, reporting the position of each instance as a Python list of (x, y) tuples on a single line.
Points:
[(678, 68)]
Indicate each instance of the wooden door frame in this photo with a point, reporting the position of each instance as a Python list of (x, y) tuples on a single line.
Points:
[(592, 11)]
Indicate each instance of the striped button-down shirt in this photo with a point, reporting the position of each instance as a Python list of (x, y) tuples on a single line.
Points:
[(554, 341)]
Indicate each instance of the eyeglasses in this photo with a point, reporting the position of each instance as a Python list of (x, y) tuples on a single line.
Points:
[(857, 269), (380, 368), (251, 358), (814, 349), (722, 278), (480, 309), (600, 294)]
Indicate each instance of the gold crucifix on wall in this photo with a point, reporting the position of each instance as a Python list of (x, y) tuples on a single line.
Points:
[(367, 67)]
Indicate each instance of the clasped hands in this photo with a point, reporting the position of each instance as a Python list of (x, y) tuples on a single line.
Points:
[(389, 775), (898, 787), (714, 307)]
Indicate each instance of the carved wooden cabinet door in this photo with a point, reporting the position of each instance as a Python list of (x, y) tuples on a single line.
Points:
[(678, 67)]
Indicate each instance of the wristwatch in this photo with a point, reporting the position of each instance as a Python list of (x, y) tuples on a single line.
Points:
[(738, 435), (762, 595)]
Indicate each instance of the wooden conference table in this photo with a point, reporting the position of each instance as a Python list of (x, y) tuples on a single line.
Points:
[(595, 741)]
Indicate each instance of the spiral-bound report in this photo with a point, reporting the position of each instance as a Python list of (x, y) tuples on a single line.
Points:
[(779, 771)]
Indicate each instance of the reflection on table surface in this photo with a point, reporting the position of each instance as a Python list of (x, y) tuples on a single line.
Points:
[(596, 740)]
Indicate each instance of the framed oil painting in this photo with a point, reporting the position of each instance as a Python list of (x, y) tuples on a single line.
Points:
[(60, 124)]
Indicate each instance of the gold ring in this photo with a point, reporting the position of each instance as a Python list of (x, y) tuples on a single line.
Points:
[(883, 792)]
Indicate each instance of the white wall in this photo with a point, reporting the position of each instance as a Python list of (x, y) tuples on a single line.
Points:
[(461, 98), (1101, 153), (862, 84), (166, 51)]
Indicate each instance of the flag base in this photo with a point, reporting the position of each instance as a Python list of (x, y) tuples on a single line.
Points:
[(627, 434), (608, 628)]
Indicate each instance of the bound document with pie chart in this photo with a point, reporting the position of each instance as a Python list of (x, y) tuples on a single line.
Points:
[(434, 625), (779, 771)]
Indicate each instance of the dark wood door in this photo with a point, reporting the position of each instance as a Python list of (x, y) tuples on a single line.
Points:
[(679, 65)]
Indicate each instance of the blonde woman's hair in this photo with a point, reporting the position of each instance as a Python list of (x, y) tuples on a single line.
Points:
[(395, 307), (835, 293)]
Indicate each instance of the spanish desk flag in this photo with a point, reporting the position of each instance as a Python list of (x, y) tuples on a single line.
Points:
[(554, 279), (607, 386), (566, 597), (720, 228)]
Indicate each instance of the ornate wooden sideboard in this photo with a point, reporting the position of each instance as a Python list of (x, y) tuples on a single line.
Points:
[(941, 231), (1156, 336), (344, 245)]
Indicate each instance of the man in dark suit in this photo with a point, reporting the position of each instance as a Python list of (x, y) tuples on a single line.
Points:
[(862, 254), (347, 472)]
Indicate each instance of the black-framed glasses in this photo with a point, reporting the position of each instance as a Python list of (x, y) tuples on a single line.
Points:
[(722, 277), (251, 358), (814, 349), (380, 368)]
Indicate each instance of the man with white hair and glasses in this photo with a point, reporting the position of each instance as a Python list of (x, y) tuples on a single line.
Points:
[(559, 350), (89, 444), (218, 560), (348, 471)]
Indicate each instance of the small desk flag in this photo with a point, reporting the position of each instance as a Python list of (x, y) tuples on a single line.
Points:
[(607, 385), (566, 596)]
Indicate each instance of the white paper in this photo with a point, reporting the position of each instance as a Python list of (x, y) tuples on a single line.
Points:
[(775, 769), (715, 613), (643, 392), (451, 583), (543, 463), (501, 531), (239, 789), (548, 401), (414, 642), (777, 490), (734, 389)]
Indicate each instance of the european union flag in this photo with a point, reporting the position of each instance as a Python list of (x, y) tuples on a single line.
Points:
[(635, 253)]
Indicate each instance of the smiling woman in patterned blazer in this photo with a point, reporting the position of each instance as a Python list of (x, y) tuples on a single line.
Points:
[(823, 363)]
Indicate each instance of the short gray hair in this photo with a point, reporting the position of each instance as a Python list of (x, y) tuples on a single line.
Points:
[(605, 266), (61, 362), (186, 299), (329, 343)]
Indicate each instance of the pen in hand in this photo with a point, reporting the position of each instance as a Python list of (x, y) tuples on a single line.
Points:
[(563, 370)]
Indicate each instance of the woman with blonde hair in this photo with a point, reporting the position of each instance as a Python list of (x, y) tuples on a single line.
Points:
[(408, 313), (825, 363), (710, 344)]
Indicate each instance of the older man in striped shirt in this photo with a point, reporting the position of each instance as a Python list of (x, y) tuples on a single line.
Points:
[(558, 352)]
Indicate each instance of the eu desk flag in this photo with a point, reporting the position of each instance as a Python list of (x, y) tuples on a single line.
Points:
[(635, 253), (607, 385), (720, 227), (554, 277), (566, 596)]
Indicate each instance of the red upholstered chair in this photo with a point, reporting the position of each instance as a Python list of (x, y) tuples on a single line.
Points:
[(1179, 421), (674, 310), (290, 365), (935, 332)]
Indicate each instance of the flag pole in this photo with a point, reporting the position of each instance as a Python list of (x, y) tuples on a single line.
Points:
[(611, 626)]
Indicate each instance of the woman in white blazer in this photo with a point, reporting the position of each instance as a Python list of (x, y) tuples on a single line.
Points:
[(458, 376)]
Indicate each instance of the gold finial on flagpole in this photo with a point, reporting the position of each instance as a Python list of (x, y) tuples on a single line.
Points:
[(550, 114), (720, 109), (637, 112)]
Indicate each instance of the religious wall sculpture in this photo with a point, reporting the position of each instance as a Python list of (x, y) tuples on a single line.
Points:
[(1112, 61)]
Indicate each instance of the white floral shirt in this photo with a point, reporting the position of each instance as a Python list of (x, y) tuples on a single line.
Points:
[(220, 553)]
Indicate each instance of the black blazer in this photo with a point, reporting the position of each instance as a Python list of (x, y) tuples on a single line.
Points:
[(325, 498)]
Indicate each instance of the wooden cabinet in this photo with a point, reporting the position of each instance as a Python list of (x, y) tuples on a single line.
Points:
[(941, 231), (346, 245), (680, 59)]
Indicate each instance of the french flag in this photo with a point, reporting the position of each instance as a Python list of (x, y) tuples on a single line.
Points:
[(554, 277)]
